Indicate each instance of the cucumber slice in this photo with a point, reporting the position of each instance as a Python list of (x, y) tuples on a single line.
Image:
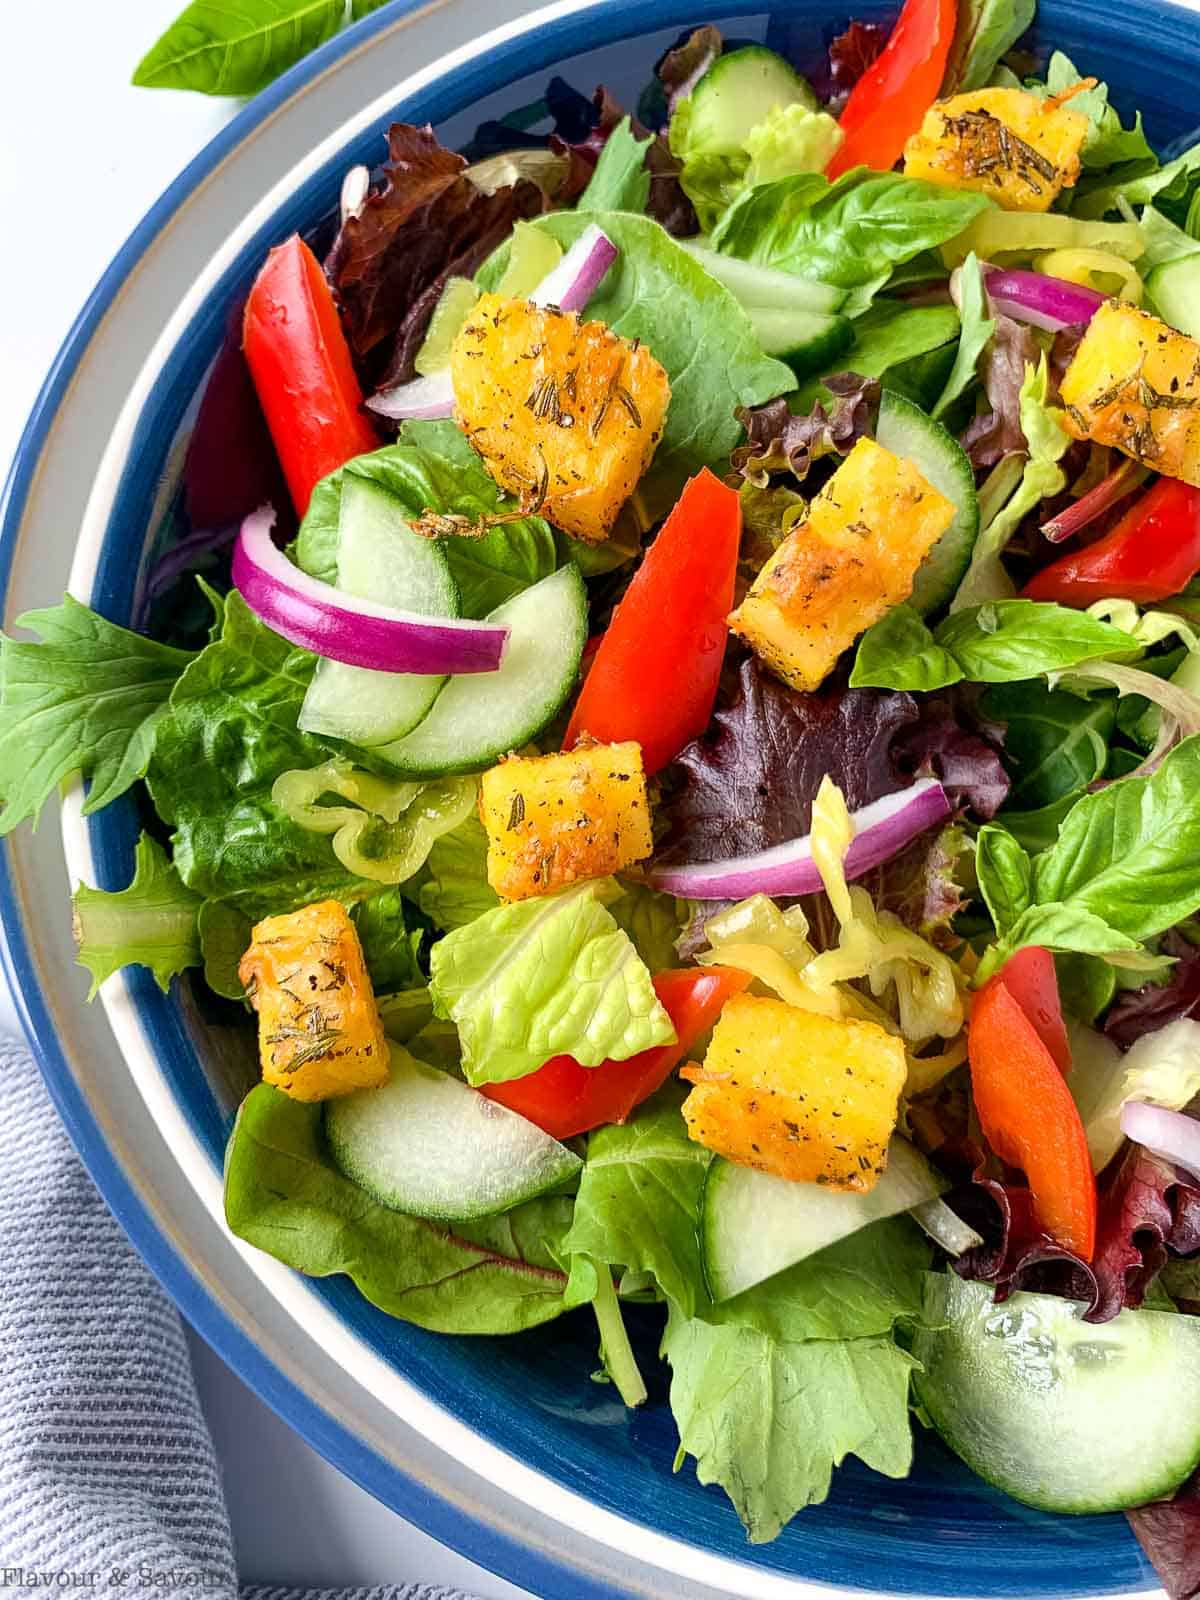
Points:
[(809, 341), (764, 288), (1175, 290), (480, 717), (1062, 1414), (452, 310), (427, 1144), (379, 558), (737, 92), (753, 1225), (905, 430)]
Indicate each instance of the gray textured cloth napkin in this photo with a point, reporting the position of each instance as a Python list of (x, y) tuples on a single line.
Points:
[(108, 1478)]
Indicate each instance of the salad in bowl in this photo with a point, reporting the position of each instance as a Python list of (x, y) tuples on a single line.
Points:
[(667, 713)]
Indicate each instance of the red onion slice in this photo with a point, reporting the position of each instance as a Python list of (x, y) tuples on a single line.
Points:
[(880, 830), (573, 282), (1042, 301), (322, 619), (1169, 1134), (570, 286)]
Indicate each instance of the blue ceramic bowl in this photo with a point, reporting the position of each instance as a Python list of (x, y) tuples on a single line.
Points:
[(503, 1448)]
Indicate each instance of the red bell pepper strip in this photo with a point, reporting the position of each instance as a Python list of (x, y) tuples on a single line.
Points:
[(1151, 554), (1030, 978), (655, 672), (887, 104), (302, 370), (564, 1098), (1027, 1113)]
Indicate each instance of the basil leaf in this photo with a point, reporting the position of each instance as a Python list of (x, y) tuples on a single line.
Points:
[(1060, 927), (1130, 854), (1007, 640), (899, 652), (89, 699), (283, 1195), (215, 47), (152, 923), (852, 233), (1055, 743), (1005, 875), (1037, 830)]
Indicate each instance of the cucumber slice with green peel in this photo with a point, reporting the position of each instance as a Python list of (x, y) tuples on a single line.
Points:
[(1174, 289), (809, 341), (764, 288), (429, 1145), (379, 558), (737, 92), (905, 430), (753, 1225), (1062, 1414), (482, 716), (452, 310)]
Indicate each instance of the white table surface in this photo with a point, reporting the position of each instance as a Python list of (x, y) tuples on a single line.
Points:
[(82, 157)]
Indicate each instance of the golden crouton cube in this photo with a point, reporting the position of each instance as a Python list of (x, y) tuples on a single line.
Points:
[(796, 1094), (1134, 384), (319, 1032), (552, 820), (851, 560), (566, 414), (1019, 150)]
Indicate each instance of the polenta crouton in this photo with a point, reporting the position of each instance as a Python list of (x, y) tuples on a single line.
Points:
[(554, 819), (1019, 150), (319, 1032), (851, 560), (803, 1096), (566, 414), (1134, 384)]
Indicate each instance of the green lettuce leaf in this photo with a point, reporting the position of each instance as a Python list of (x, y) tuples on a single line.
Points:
[(652, 920), (1055, 743), (548, 976), (853, 233), (657, 293), (773, 1389), (1047, 442), (283, 1195), (1004, 641), (1173, 183), (454, 889), (431, 467), (89, 699), (152, 923), (639, 1200), (1108, 143), (977, 329), (984, 33), (621, 181)]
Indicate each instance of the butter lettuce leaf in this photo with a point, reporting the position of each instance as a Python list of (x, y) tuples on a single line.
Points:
[(549, 976)]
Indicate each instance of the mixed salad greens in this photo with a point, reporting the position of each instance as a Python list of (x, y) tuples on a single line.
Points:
[(671, 687)]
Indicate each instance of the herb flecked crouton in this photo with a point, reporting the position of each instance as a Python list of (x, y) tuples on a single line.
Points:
[(1019, 150), (806, 1097), (851, 560), (319, 1033), (1134, 384), (554, 819), (565, 414)]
